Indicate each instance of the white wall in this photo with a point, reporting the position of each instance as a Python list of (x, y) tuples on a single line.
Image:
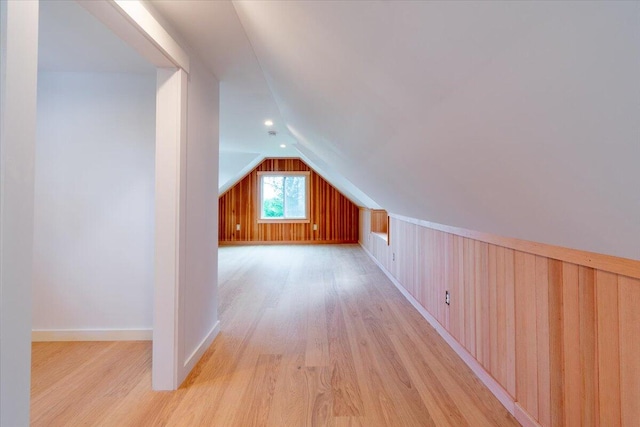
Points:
[(198, 321), (94, 202), (191, 117), (18, 78), (200, 290)]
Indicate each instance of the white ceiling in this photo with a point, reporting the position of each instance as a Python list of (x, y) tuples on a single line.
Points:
[(515, 118), (214, 31), (70, 39)]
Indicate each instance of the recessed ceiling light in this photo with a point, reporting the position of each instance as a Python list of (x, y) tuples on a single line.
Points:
[(283, 146), (268, 122)]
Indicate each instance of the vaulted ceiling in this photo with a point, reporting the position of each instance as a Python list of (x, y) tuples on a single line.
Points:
[(515, 118)]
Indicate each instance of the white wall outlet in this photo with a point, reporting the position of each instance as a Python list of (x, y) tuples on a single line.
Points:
[(315, 227), (237, 227)]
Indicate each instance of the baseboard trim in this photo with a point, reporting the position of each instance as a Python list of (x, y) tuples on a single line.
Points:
[(52, 335), (524, 418), (195, 356), (285, 242), (494, 387)]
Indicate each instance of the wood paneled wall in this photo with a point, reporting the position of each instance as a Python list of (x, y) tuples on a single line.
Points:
[(379, 221), (562, 339), (335, 215)]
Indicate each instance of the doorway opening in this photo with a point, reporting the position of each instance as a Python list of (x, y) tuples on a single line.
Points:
[(94, 198)]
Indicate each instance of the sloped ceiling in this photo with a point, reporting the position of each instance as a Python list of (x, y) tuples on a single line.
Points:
[(516, 118), (214, 31), (70, 39)]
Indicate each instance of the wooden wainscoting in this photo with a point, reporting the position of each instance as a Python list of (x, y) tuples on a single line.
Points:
[(335, 215), (560, 339)]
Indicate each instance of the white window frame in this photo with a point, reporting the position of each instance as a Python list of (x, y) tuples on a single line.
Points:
[(259, 204)]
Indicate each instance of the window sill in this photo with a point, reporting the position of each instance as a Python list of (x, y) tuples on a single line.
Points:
[(285, 221), (383, 236)]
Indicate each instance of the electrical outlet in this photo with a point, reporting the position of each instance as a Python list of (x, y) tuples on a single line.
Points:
[(447, 298), (237, 227), (315, 227)]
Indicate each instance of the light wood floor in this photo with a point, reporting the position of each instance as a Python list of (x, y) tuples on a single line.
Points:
[(311, 336)]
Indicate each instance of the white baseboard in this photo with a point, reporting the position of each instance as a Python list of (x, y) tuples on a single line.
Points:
[(46, 335), (494, 387), (191, 361)]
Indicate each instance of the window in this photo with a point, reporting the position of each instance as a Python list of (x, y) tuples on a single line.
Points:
[(284, 196)]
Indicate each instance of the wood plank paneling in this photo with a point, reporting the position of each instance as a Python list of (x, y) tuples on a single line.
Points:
[(481, 284), (526, 333), (468, 263), (608, 348), (494, 309), (335, 215), (379, 221), (571, 338), (561, 338), (556, 343), (457, 311), (510, 320), (542, 339), (629, 304), (588, 363), (623, 266), (449, 272), (439, 276), (501, 273)]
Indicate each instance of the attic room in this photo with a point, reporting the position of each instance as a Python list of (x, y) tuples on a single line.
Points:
[(248, 213)]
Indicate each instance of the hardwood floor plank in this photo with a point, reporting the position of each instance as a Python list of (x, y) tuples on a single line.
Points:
[(456, 389), (370, 319), (67, 399), (256, 401), (344, 384), (377, 400), (310, 336), (302, 395), (317, 343), (65, 357), (439, 403), (394, 369)]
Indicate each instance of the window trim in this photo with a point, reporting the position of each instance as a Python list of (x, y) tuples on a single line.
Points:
[(306, 219)]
